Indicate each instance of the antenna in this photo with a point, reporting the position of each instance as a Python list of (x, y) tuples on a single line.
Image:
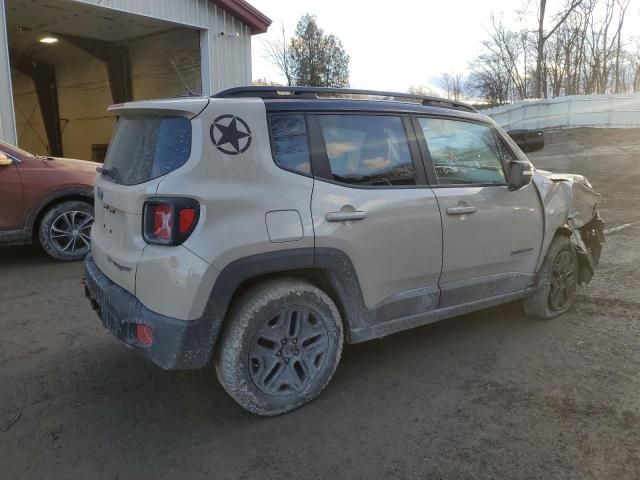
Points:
[(190, 92)]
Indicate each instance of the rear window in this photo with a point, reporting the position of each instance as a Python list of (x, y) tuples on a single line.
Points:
[(147, 147)]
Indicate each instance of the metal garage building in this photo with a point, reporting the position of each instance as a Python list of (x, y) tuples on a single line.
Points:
[(62, 62)]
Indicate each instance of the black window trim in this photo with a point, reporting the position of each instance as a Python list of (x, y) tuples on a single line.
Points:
[(320, 165), (428, 162), (272, 143), (420, 155), (503, 139)]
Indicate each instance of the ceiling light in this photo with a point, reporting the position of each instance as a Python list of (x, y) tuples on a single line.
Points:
[(48, 40)]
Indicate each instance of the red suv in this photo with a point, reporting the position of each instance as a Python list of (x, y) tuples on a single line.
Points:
[(46, 200)]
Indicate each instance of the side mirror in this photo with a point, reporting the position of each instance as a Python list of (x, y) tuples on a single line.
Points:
[(520, 174), (4, 160)]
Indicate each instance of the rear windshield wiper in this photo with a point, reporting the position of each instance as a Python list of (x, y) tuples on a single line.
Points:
[(108, 172)]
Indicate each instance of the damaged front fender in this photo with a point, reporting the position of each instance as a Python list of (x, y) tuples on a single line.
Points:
[(571, 207), (588, 240)]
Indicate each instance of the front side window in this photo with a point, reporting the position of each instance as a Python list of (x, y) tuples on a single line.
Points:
[(367, 150), (463, 152), (289, 142)]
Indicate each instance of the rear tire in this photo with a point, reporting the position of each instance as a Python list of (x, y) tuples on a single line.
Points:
[(556, 282), (65, 229), (281, 346)]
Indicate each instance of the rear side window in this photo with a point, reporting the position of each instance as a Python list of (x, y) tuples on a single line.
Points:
[(289, 142), (147, 147), (463, 152), (367, 149)]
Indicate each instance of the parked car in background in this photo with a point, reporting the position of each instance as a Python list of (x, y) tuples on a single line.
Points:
[(528, 140), (46, 200)]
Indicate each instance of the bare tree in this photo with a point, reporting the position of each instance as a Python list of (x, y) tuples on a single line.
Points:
[(622, 5), (452, 83), (489, 79), (585, 52), (277, 52), (599, 50), (511, 49), (265, 82), (634, 69), (421, 90), (543, 37)]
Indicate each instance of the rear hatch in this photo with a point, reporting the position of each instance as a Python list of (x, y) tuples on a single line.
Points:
[(151, 140)]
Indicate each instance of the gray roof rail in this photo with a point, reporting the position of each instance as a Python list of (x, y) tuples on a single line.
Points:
[(318, 93)]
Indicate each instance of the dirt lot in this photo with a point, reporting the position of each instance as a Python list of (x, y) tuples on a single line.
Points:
[(489, 395)]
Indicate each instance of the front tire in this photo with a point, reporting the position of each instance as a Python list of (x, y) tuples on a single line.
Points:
[(556, 282), (281, 346), (64, 231)]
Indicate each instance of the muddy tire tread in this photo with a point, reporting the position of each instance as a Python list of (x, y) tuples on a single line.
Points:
[(537, 302), (230, 366)]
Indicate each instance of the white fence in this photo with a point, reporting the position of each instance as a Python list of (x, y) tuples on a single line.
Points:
[(604, 111)]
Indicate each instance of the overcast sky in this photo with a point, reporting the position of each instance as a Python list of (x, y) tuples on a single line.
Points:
[(398, 43)]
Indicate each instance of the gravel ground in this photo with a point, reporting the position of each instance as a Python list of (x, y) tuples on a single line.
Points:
[(493, 394)]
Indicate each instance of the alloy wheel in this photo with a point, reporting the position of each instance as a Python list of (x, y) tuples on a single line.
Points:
[(563, 281), (288, 351), (70, 232)]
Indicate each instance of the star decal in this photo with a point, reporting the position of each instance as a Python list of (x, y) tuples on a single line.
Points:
[(230, 134)]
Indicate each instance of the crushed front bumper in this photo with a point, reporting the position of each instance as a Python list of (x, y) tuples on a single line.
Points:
[(176, 344)]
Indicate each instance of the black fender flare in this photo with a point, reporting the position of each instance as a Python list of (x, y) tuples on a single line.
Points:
[(51, 198), (334, 265)]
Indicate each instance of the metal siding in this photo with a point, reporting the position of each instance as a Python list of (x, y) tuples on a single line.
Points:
[(226, 54), (229, 57), (607, 111), (190, 13), (7, 114)]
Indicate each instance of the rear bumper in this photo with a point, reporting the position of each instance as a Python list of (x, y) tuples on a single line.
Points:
[(177, 344)]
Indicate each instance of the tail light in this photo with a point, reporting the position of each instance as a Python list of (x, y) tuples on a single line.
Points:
[(169, 221), (144, 334)]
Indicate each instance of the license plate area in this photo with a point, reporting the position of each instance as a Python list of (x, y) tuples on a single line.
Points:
[(111, 223), (122, 330)]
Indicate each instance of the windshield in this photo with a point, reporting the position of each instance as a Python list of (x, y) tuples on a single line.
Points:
[(12, 149), (147, 147)]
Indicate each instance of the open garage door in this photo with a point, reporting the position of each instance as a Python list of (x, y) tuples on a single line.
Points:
[(70, 61)]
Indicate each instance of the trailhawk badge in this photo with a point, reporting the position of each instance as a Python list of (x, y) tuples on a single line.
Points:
[(230, 134)]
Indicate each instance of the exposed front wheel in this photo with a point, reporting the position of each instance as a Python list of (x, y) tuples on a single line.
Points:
[(556, 282), (281, 346), (65, 230)]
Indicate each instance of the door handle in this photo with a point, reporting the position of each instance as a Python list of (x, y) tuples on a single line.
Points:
[(460, 210), (345, 216)]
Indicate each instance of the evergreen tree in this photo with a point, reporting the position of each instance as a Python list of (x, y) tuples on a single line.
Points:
[(317, 59)]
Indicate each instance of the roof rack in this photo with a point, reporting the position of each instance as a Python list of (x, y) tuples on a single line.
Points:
[(273, 92)]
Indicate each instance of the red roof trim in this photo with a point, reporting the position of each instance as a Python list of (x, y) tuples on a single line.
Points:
[(257, 21)]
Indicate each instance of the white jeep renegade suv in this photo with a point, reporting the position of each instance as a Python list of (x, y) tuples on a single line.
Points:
[(261, 228)]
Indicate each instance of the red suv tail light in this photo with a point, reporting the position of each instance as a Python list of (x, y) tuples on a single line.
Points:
[(169, 221)]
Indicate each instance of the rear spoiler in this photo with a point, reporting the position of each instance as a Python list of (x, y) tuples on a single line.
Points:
[(189, 107)]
